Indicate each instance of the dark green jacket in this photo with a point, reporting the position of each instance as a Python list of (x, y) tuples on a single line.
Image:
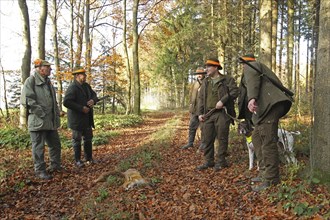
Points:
[(75, 99), (227, 93), (255, 86)]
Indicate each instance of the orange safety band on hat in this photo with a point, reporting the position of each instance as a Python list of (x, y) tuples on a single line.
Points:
[(80, 71), (248, 58), (211, 62), (199, 71)]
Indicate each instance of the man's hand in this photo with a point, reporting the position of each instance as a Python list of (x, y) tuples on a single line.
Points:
[(219, 105), (253, 106), (86, 109), (90, 103), (201, 118)]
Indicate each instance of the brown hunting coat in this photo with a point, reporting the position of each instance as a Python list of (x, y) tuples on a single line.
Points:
[(193, 106)]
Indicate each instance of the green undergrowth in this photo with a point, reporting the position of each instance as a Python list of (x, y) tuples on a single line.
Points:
[(15, 138), (298, 192), (147, 155)]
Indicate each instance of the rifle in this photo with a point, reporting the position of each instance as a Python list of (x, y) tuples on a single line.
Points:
[(209, 113), (197, 73), (275, 83), (102, 98), (99, 99)]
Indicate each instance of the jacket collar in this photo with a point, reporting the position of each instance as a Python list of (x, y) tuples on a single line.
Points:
[(39, 80)]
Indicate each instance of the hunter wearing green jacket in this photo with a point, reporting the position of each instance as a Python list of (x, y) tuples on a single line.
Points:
[(264, 102), (39, 98), (217, 95)]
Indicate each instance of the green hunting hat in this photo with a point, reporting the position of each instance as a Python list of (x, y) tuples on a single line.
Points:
[(40, 62), (213, 62), (78, 69)]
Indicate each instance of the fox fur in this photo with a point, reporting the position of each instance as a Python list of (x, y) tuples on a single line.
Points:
[(132, 178)]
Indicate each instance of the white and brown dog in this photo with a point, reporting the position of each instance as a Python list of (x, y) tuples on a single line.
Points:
[(285, 143)]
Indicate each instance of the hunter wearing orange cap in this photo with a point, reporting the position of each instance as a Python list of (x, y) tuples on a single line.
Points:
[(217, 92), (39, 98), (263, 101)]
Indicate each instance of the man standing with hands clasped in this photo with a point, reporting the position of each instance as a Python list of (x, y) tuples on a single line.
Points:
[(266, 100), (80, 99), (216, 107)]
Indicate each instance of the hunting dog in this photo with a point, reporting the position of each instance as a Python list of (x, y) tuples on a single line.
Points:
[(285, 143)]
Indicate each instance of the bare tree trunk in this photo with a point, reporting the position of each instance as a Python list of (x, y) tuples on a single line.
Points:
[(320, 152), (307, 68), (88, 53), (79, 33), (26, 61), (4, 91), (135, 51), (128, 66), (281, 42), (222, 34), (290, 42), (42, 29), (274, 33), (253, 28), (71, 35), (265, 54), (56, 58), (297, 63)]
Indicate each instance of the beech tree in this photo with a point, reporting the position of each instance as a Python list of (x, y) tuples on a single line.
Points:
[(128, 65), (58, 76), (135, 54), (42, 29), (265, 52), (320, 151), (26, 60)]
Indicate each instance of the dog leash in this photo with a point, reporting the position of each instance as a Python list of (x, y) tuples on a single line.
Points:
[(209, 113), (235, 119)]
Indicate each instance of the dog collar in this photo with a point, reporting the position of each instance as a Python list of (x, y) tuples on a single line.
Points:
[(249, 139)]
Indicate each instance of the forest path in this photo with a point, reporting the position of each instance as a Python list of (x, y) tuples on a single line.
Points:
[(178, 190)]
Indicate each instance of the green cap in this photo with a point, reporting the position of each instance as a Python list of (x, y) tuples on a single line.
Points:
[(78, 69)]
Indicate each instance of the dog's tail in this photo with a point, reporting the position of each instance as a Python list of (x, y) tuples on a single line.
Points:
[(295, 132)]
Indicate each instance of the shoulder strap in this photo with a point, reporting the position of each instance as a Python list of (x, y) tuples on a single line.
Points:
[(278, 85)]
